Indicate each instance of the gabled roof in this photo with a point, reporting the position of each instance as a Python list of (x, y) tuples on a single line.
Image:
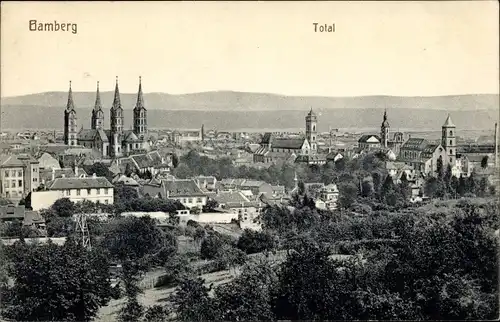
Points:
[(12, 212), (129, 136), (369, 138), (142, 161), (225, 197), (46, 174), (79, 183), (288, 143), (415, 144), (87, 134), (182, 188), (10, 161)]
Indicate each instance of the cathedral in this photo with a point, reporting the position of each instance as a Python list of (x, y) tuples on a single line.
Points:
[(113, 142)]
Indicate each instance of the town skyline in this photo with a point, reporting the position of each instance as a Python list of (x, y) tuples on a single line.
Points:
[(391, 49)]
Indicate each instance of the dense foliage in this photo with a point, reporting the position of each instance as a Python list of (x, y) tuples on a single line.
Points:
[(80, 278)]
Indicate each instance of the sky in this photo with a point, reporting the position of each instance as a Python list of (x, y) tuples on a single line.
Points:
[(378, 48)]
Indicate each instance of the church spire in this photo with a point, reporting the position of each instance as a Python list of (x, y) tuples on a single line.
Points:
[(140, 99), (116, 100), (97, 105), (70, 106)]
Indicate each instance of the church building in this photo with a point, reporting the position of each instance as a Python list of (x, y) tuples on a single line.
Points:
[(112, 142), (305, 149)]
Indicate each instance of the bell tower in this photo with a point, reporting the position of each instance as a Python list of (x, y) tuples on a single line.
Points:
[(116, 121), (97, 121), (448, 140), (70, 131), (140, 115), (384, 131), (311, 130)]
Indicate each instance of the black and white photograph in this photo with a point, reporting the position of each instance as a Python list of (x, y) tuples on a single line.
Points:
[(247, 161)]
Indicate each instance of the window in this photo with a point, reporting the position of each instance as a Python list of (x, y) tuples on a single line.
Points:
[(19, 183), (98, 191), (6, 173), (106, 201), (451, 151), (35, 170), (6, 184), (13, 184), (451, 133), (67, 192), (77, 192), (451, 142), (198, 200), (35, 180), (89, 192), (190, 200), (106, 191)]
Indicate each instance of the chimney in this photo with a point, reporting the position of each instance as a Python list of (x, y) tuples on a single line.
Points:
[(63, 175), (53, 174), (76, 170), (94, 175)]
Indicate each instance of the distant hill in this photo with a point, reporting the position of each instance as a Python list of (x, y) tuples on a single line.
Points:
[(242, 101), (39, 117)]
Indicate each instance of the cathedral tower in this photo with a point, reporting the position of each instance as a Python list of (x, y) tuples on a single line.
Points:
[(448, 140), (97, 121), (116, 121), (140, 115), (384, 131), (70, 131), (311, 130)]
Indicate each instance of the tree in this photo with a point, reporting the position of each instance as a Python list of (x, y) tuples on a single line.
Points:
[(132, 311), (193, 303), (405, 186), (134, 238), (175, 160), (211, 205), (128, 170), (439, 167), (255, 242), (156, 313), (64, 207), (387, 187), (483, 187), (471, 183), (182, 171), (211, 245), (484, 162), (177, 269), (229, 257), (347, 195), (100, 170), (249, 296), (462, 188), (69, 282)]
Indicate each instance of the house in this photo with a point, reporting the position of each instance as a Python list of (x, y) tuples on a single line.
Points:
[(256, 187), (19, 175), (369, 142), (124, 180), (236, 202), (95, 189), (318, 159), (47, 161), (151, 161), (11, 213), (185, 191), (329, 194), (207, 183), (47, 175)]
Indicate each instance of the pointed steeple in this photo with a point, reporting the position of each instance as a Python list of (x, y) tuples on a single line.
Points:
[(385, 123), (140, 99), (97, 105), (448, 122), (116, 100), (70, 106)]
